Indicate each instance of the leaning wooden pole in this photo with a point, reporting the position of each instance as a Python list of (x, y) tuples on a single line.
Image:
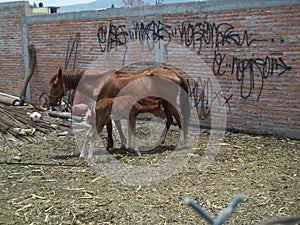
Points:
[(32, 62)]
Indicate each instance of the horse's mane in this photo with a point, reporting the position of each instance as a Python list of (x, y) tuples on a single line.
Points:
[(161, 69), (67, 73), (125, 74), (70, 73)]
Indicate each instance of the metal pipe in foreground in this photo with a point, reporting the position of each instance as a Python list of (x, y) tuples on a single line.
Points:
[(222, 217)]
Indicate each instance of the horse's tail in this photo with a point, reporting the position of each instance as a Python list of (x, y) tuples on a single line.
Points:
[(185, 105)]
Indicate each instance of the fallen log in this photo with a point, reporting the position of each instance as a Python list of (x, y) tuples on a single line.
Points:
[(65, 115), (8, 95), (9, 100)]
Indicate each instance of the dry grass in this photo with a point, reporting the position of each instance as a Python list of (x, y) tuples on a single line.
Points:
[(47, 184)]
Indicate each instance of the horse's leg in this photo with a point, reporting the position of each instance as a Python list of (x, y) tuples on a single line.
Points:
[(167, 127), (129, 129), (110, 141), (85, 141), (132, 130), (82, 152), (172, 110), (94, 138), (92, 144), (122, 136), (181, 138), (91, 150), (129, 145)]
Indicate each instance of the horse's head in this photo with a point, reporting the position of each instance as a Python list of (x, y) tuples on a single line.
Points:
[(58, 89)]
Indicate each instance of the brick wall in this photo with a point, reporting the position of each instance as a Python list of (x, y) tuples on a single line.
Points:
[(11, 45), (243, 57)]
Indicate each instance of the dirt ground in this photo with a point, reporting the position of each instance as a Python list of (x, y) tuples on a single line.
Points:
[(44, 182)]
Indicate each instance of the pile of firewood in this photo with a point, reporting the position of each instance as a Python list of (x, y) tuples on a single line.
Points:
[(17, 122)]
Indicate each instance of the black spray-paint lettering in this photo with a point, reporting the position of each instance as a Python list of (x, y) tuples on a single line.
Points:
[(212, 35), (72, 51), (111, 36), (154, 31), (198, 92), (248, 69), (198, 35), (194, 35), (203, 96)]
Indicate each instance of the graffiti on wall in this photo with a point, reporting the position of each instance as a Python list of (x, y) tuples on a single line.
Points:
[(203, 94), (197, 36), (250, 72), (72, 50), (192, 35), (112, 36), (247, 69)]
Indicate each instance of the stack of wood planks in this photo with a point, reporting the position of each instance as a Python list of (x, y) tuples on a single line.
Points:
[(16, 121)]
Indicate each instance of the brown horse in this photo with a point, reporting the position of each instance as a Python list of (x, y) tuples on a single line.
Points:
[(63, 81), (162, 81), (123, 107)]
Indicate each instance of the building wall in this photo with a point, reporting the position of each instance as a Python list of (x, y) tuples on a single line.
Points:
[(45, 10), (41, 10), (11, 44), (243, 56)]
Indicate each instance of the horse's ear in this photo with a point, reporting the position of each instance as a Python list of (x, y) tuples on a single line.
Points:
[(59, 73)]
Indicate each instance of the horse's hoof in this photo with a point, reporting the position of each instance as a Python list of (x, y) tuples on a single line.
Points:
[(123, 147), (138, 153), (90, 161), (178, 147), (109, 147), (82, 161)]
